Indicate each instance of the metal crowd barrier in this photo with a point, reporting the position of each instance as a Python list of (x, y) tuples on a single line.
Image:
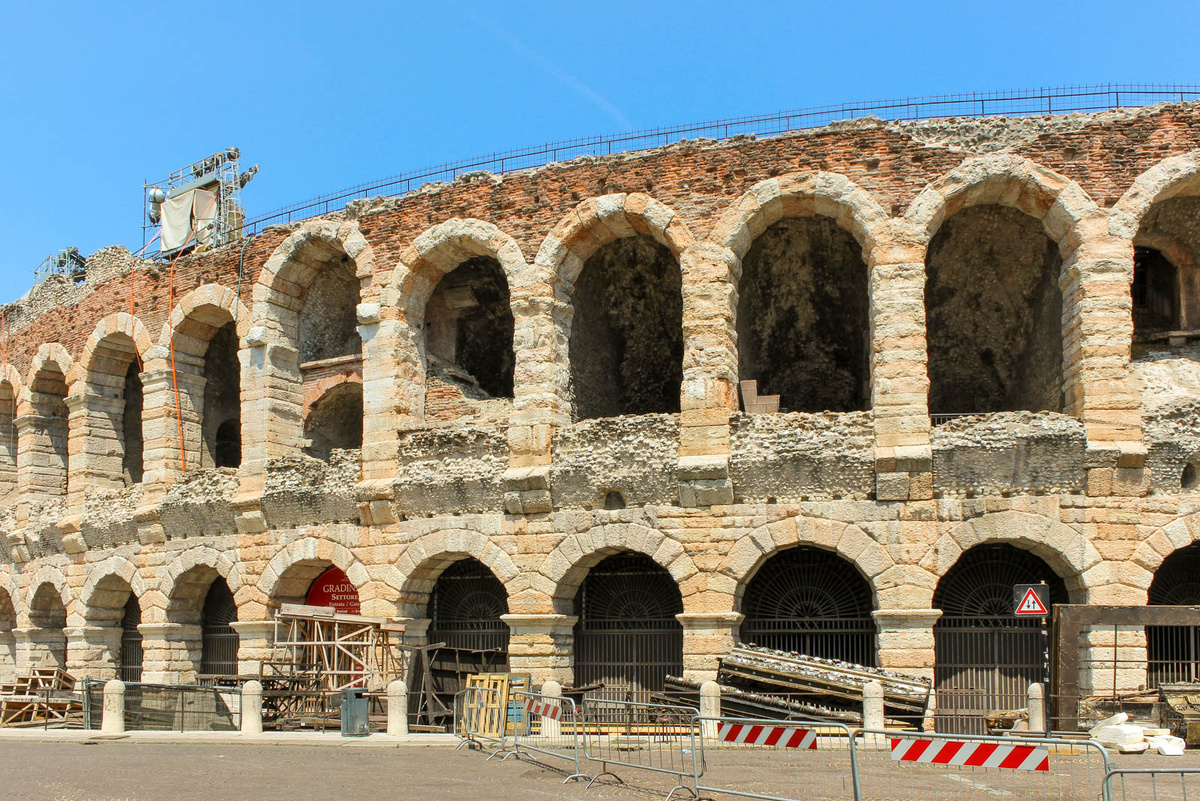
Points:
[(960, 767), (775, 759), (549, 726), (654, 737), (480, 716), (1152, 784)]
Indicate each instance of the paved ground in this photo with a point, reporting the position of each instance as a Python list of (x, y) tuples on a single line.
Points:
[(105, 770)]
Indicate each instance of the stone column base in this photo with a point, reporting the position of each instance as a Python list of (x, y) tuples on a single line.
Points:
[(256, 644), (542, 645), (170, 653), (94, 652), (38, 647), (707, 638), (905, 640)]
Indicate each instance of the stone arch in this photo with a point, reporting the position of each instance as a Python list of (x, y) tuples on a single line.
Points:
[(104, 580), (1137, 573), (802, 194), (1068, 553), (57, 581), (43, 424), (565, 568), (197, 316), (1173, 176), (292, 569), (8, 586), (785, 331), (333, 415), (11, 387), (50, 356), (107, 382), (424, 560), (751, 551)]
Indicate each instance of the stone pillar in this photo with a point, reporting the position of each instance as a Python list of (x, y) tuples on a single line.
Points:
[(8, 656), (37, 647), (272, 401), (93, 651), (899, 374), (256, 644), (873, 705), (95, 444), (170, 652), (542, 645), (707, 637), (710, 707), (1112, 659), (709, 392), (1037, 708), (905, 640), (112, 720), (550, 726), (41, 456), (381, 421), (251, 714), (397, 708)]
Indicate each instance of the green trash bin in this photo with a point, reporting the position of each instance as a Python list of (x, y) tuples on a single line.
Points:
[(355, 708)]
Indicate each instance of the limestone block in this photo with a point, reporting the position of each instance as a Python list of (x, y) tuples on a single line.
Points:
[(891, 486)]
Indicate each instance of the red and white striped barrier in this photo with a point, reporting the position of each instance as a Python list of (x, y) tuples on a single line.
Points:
[(970, 754), (749, 734), (552, 711)]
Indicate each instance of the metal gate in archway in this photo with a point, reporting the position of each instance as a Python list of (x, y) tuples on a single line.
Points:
[(628, 637), (986, 657), (218, 640), (465, 608), (130, 667), (813, 602), (1173, 652)]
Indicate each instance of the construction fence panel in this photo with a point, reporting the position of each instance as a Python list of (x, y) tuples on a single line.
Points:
[(960, 767), (1152, 784), (549, 726), (779, 760), (168, 707), (480, 717), (655, 737)]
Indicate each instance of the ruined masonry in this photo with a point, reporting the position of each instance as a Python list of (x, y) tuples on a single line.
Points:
[(833, 392)]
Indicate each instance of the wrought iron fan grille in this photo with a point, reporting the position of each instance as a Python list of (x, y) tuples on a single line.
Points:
[(1173, 652), (465, 608), (628, 637), (813, 602), (980, 585), (219, 642)]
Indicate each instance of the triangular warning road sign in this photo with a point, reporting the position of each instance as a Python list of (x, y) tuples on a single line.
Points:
[(1031, 604)]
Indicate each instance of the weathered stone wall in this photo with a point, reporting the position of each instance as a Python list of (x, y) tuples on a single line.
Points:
[(644, 259)]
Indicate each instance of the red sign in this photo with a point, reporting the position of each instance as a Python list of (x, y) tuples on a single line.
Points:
[(332, 588), (1031, 604)]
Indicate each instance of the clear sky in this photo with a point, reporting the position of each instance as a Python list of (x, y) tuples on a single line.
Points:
[(97, 97)]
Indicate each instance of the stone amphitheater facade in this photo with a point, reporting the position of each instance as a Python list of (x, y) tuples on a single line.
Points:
[(1088, 467)]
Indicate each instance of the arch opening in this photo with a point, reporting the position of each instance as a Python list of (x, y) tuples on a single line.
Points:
[(1155, 292), (221, 429), (8, 641), (132, 458), (469, 334), (328, 322), (218, 640), (626, 343), (130, 661), (465, 608), (802, 317), (1173, 652), (812, 602), (335, 421), (985, 656), (113, 606), (1166, 278), (628, 636), (48, 616), (114, 401), (994, 314), (44, 457)]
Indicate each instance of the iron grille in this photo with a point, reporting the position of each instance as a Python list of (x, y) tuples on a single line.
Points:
[(465, 608), (627, 637), (986, 657), (812, 602), (1173, 652), (131, 642), (218, 640)]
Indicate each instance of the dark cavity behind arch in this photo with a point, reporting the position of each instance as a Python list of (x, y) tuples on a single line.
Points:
[(802, 317), (626, 346), (994, 314), (222, 425), (469, 325)]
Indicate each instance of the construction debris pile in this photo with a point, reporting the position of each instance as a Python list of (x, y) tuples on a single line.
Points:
[(1128, 738), (761, 682), (42, 697)]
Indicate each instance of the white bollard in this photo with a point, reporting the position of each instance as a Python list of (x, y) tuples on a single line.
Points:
[(552, 728), (113, 719), (710, 707), (397, 708), (872, 705), (252, 694), (1037, 708)]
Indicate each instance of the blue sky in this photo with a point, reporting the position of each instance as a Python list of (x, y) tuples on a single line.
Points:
[(97, 97)]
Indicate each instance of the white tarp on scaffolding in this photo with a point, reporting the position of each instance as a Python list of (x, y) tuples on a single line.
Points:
[(194, 209)]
